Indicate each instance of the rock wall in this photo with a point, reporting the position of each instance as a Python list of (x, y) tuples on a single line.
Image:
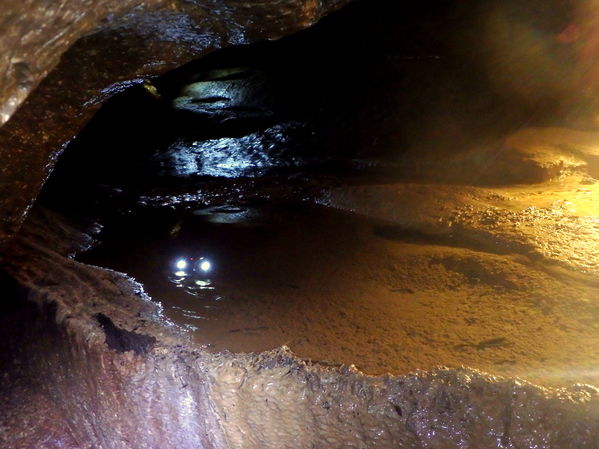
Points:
[(130, 42), (109, 364), (34, 36)]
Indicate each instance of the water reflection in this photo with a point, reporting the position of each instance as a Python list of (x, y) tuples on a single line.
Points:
[(191, 275), (344, 288), (230, 157)]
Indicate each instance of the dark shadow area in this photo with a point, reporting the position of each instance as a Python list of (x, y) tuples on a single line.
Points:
[(28, 336), (350, 95), (12, 294), (122, 340)]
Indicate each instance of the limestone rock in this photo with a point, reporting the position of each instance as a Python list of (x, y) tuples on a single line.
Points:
[(130, 42)]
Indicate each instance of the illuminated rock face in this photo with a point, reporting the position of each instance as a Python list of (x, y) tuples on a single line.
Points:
[(130, 41), (35, 34)]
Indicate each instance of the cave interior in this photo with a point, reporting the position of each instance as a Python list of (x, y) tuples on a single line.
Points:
[(398, 188)]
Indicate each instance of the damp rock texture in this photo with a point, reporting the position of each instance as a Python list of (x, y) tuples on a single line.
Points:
[(35, 34), (550, 214), (97, 49), (118, 375), (88, 356)]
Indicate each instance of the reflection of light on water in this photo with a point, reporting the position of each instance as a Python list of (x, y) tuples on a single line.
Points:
[(230, 157), (229, 214), (190, 275)]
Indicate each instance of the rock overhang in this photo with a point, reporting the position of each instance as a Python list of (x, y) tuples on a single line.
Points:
[(275, 395)]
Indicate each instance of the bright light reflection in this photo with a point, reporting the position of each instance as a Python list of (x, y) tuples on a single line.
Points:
[(180, 273), (205, 265)]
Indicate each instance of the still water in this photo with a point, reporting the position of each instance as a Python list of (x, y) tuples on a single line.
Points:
[(234, 274), (340, 288)]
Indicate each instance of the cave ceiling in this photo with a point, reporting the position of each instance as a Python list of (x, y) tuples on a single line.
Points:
[(60, 60)]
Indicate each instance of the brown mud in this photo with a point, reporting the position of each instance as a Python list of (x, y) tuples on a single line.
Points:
[(340, 288)]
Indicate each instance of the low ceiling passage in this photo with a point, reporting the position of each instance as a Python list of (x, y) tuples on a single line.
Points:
[(376, 88)]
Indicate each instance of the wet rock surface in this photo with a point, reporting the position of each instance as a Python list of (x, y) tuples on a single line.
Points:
[(507, 299), (175, 396), (383, 74), (123, 51), (34, 36), (340, 288), (462, 247)]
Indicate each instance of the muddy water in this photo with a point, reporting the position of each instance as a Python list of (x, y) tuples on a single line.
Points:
[(339, 288)]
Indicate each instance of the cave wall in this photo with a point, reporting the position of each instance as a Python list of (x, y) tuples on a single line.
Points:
[(35, 33), (84, 322), (505, 60), (126, 43)]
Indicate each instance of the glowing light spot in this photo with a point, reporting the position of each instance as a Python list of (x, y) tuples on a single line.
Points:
[(181, 264), (180, 273), (205, 265)]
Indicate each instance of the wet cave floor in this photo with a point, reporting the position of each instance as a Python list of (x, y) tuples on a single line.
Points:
[(340, 288), (437, 237), (261, 215)]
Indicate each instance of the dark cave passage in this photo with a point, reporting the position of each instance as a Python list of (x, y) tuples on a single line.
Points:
[(220, 162), (371, 231), (371, 90)]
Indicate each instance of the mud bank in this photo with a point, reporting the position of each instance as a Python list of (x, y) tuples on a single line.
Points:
[(340, 288), (121, 376)]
